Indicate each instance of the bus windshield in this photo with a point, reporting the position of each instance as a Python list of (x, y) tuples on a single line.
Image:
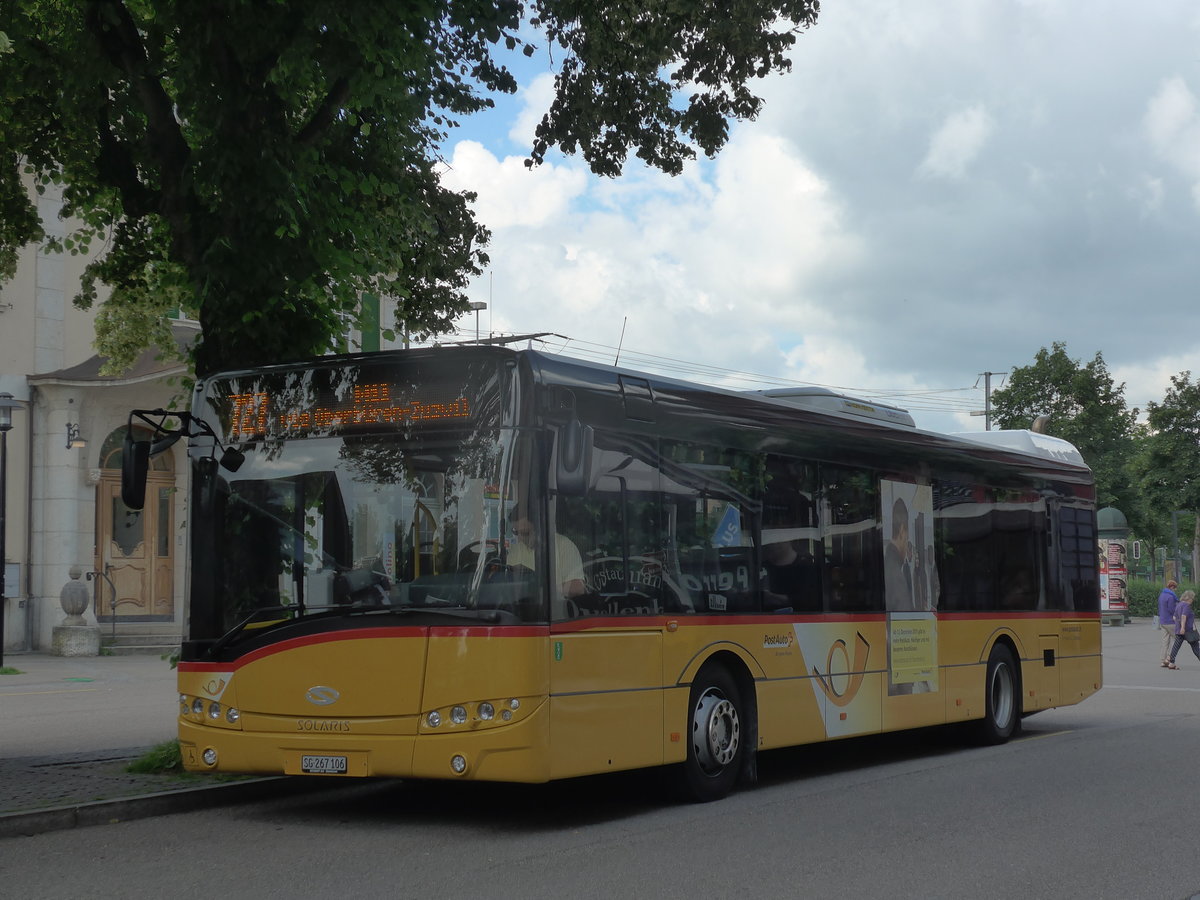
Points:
[(363, 489)]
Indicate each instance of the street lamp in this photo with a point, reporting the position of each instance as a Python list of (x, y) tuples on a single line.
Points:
[(7, 404), (477, 305), (75, 441)]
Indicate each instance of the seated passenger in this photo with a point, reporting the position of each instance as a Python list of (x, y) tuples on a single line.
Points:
[(792, 581), (567, 561)]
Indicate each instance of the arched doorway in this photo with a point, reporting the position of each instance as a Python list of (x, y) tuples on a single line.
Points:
[(134, 548)]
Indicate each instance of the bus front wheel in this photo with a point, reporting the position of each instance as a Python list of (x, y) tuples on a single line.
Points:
[(1002, 714), (716, 736)]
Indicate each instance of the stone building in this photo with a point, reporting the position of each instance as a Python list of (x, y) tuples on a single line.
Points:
[(62, 472)]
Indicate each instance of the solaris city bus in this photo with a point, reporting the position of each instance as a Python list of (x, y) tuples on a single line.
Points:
[(482, 563)]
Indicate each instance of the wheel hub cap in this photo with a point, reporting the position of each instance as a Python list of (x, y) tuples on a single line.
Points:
[(716, 732)]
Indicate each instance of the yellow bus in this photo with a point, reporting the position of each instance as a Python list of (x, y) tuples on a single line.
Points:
[(484, 563)]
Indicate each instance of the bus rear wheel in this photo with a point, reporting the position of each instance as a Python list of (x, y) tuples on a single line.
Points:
[(716, 747), (1002, 715)]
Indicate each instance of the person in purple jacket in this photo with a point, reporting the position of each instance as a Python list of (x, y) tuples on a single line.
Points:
[(1166, 618), (1185, 628)]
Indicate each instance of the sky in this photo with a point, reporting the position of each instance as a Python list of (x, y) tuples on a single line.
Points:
[(937, 190)]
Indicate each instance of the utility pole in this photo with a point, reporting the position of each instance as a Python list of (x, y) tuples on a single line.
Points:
[(986, 412), (987, 401)]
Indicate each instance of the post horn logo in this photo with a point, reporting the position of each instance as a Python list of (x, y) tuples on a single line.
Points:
[(853, 681)]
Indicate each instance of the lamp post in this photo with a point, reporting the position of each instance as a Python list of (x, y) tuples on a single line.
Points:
[(477, 305), (6, 407), (1175, 544)]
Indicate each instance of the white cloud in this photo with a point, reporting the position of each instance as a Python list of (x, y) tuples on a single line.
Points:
[(1149, 380), (1173, 129), (822, 244), (511, 194), (712, 269), (535, 100), (957, 143)]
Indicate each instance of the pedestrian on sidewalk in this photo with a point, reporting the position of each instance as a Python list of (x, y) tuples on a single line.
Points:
[(1166, 618), (1185, 628)]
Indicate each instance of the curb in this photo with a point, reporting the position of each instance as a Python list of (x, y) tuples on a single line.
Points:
[(110, 812)]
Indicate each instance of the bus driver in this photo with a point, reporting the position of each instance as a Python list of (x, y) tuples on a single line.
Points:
[(567, 561)]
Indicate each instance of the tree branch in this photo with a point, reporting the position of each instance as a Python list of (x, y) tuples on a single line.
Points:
[(115, 166), (321, 119), (114, 29)]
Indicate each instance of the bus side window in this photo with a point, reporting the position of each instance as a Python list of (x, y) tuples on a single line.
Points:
[(791, 574), (1020, 549), (1077, 559), (708, 495), (615, 526), (851, 536)]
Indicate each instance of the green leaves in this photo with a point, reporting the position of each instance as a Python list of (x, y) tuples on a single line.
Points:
[(1085, 407), (263, 164)]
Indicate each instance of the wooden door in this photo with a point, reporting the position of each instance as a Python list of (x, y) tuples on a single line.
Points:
[(135, 550)]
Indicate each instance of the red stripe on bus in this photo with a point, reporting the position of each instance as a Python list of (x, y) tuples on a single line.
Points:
[(355, 634), (307, 640), (1059, 614)]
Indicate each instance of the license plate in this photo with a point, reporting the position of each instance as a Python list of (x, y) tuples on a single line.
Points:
[(323, 765)]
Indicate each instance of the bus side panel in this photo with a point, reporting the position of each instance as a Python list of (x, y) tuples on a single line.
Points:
[(606, 704), (1081, 669), (790, 706), (963, 686), (1040, 675)]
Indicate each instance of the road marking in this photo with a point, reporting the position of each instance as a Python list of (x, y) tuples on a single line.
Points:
[(1149, 687)]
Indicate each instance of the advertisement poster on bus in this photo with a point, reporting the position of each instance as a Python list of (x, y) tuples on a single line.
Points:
[(1114, 574), (910, 587)]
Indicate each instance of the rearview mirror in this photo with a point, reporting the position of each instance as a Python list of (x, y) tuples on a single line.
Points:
[(135, 464), (573, 458)]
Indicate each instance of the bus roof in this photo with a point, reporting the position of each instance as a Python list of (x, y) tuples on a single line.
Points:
[(1042, 445), (825, 400), (819, 402)]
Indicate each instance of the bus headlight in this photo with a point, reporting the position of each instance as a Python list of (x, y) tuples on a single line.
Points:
[(434, 719), (209, 756), (486, 711), (214, 710), (458, 764), (458, 715), (232, 715)]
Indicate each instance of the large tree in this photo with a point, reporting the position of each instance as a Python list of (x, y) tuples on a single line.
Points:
[(263, 163), (1167, 468), (1085, 407)]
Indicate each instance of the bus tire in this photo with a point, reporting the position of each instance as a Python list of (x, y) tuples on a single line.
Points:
[(1002, 714), (717, 733)]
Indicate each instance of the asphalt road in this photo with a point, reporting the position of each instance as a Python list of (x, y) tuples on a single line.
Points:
[(1087, 803)]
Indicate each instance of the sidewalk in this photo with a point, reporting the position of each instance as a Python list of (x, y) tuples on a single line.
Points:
[(68, 728)]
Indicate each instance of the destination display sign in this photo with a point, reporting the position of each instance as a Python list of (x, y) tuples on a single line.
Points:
[(295, 412)]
